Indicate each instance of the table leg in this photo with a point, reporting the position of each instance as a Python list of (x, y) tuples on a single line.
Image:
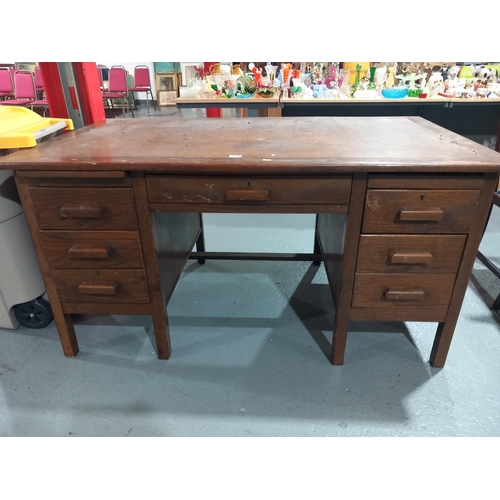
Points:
[(446, 329), (158, 308), (200, 242), (274, 112), (64, 322), (317, 248), (348, 267)]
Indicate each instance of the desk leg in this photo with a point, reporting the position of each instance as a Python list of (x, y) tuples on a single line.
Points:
[(64, 322), (446, 329), (158, 304), (340, 263), (200, 242), (317, 248), (274, 112)]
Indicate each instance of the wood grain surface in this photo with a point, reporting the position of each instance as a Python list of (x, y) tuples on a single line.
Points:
[(287, 145), (115, 204), (392, 253), (92, 249), (419, 211)]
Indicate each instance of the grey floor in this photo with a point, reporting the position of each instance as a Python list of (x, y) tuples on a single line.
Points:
[(250, 341)]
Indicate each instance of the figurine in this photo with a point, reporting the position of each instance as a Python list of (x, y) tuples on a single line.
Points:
[(453, 84), (317, 74), (435, 84), (483, 73), (257, 73)]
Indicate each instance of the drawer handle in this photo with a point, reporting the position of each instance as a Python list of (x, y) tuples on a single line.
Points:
[(255, 195), (405, 294), (411, 258), (81, 212), (87, 252), (421, 215), (92, 288)]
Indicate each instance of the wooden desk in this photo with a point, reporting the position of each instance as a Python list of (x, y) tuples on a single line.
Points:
[(114, 211)]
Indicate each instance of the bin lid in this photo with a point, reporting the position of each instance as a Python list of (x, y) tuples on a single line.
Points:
[(22, 128)]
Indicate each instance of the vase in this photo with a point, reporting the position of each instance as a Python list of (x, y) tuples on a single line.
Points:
[(215, 69), (372, 85), (331, 77), (356, 84), (236, 70)]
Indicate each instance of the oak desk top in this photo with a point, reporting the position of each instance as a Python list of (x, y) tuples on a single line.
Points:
[(282, 146)]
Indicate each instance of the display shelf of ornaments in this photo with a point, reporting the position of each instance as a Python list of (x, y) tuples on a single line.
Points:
[(414, 82)]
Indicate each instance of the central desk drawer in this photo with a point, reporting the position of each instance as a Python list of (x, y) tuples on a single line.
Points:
[(92, 249), (249, 191), (84, 208), (419, 210), (101, 285)]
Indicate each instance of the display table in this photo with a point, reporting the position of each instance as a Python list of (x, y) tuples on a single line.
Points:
[(114, 211), (249, 107), (474, 118)]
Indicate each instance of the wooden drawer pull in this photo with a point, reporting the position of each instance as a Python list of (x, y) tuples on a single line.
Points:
[(88, 252), (423, 215), (93, 288), (81, 212), (411, 258), (255, 195), (404, 295)]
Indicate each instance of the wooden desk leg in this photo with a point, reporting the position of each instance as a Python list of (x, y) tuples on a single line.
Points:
[(317, 248), (346, 274), (200, 242), (66, 331), (274, 112), (64, 322), (157, 301), (446, 329)]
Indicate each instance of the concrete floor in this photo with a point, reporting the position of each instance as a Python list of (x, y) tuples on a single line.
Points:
[(250, 341)]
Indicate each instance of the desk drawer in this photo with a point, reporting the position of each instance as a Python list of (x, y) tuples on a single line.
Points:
[(101, 285), (84, 208), (419, 211), (408, 291), (415, 254), (249, 191), (92, 249)]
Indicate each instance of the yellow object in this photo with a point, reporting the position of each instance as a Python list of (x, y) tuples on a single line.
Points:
[(365, 67), (390, 78), (19, 126), (466, 73)]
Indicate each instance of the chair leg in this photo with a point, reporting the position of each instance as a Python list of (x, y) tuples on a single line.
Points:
[(131, 106), (152, 99), (147, 101)]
